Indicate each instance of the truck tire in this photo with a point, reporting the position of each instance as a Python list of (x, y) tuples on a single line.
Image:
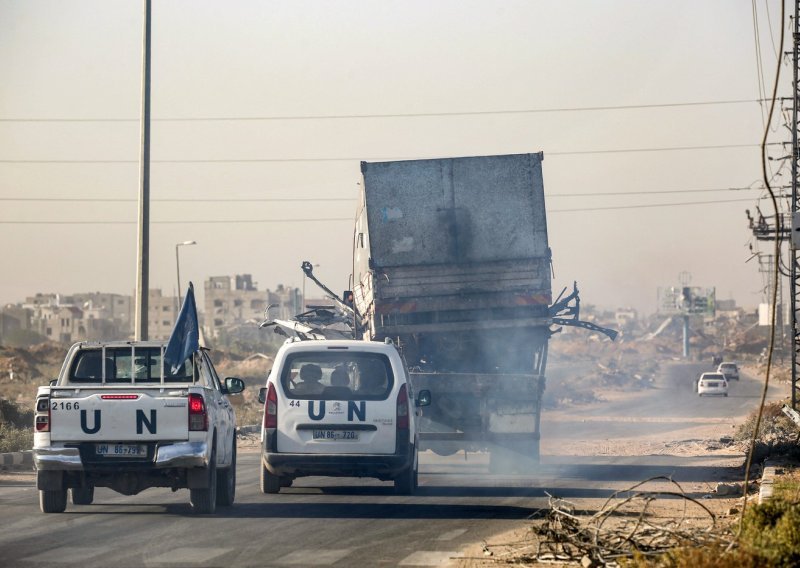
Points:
[(204, 501), (406, 482), (82, 495), (226, 482), (270, 483), (54, 501)]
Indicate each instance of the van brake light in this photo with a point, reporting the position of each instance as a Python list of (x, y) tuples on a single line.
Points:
[(402, 408), (271, 408)]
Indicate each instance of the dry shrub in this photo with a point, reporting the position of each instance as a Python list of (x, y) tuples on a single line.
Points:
[(695, 557), (772, 531), (14, 415), (15, 439)]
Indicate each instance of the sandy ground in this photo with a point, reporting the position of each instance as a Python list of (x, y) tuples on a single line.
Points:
[(701, 436)]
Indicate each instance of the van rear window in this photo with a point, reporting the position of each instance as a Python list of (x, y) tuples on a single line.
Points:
[(120, 368), (346, 375)]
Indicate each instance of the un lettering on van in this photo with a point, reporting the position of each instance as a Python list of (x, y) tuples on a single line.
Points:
[(142, 422), (355, 410)]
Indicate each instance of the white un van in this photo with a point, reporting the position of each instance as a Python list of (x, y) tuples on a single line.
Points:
[(341, 408)]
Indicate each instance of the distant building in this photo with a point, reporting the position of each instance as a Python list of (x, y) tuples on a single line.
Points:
[(13, 318), (162, 314), (233, 301), (59, 323), (94, 316), (117, 308), (626, 318)]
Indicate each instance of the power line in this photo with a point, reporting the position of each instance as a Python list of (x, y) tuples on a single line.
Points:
[(189, 200), (328, 219), (392, 115), (657, 192), (184, 200), (380, 159), (647, 206)]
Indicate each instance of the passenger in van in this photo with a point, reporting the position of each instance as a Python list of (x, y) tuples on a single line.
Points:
[(310, 377), (339, 377)]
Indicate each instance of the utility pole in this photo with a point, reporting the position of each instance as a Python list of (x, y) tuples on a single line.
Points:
[(793, 242), (143, 249)]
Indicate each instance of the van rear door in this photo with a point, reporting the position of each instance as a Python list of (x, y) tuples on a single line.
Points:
[(337, 401)]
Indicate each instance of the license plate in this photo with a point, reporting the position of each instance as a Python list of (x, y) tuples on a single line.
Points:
[(121, 450), (335, 435), (712, 385)]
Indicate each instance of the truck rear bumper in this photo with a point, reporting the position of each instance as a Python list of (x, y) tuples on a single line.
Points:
[(171, 455)]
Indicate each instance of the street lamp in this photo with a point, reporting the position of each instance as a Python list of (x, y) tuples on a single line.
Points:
[(178, 267)]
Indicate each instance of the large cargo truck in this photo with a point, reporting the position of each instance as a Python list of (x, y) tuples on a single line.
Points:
[(451, 262)]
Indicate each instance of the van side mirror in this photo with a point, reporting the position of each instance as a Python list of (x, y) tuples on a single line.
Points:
[(262, 395), (233, 385), (424, 398)]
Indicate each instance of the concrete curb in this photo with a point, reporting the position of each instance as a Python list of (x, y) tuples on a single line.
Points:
[(16, 460), (771, 469)]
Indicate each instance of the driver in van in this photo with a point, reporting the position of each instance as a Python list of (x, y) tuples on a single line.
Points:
[(372, 378), (310, 377)]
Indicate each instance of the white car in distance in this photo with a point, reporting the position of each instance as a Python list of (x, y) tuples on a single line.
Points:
[(712, 384), (730, 370)]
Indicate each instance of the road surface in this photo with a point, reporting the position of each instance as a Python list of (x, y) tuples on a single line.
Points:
[(353, 522)]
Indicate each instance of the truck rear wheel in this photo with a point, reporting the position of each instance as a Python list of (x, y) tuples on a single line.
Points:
[(204, 501), (226, 482), (406, 482), (54, 501), (270, 483), (82, 495)]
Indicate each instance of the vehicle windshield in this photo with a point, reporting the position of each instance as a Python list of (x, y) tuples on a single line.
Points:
[(146, 368), (346, 375)]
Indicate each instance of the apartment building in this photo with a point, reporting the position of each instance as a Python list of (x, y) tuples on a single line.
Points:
[(233, 301)]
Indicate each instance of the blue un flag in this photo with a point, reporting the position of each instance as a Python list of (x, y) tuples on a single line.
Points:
[(185, 337)]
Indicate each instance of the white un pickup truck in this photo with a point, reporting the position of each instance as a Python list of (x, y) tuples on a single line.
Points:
[(118, 417)]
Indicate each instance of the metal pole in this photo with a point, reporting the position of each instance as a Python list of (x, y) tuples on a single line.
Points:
[(178, 268), (795, 156), (143, 256), (686, 337)]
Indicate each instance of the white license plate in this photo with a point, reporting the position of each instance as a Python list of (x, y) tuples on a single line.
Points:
[(335, 435), (121, 450)]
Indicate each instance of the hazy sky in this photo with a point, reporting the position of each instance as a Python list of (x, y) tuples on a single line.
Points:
[(293, 74)]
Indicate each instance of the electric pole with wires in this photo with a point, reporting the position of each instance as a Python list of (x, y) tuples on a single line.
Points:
[(794, 242)]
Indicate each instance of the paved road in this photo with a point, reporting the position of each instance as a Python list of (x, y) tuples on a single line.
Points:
[(670, 406), (351, 522), (321, 521)]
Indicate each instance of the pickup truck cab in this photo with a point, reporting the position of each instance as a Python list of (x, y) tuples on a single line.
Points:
[(341, 408), (119, 417)]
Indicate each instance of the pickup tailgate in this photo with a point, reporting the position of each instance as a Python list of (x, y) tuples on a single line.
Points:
[(118, 414)]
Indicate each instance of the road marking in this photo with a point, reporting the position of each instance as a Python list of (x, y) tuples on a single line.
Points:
[(429, 557), (450, 535), (67, 555), (314, 557), (187, 555)]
